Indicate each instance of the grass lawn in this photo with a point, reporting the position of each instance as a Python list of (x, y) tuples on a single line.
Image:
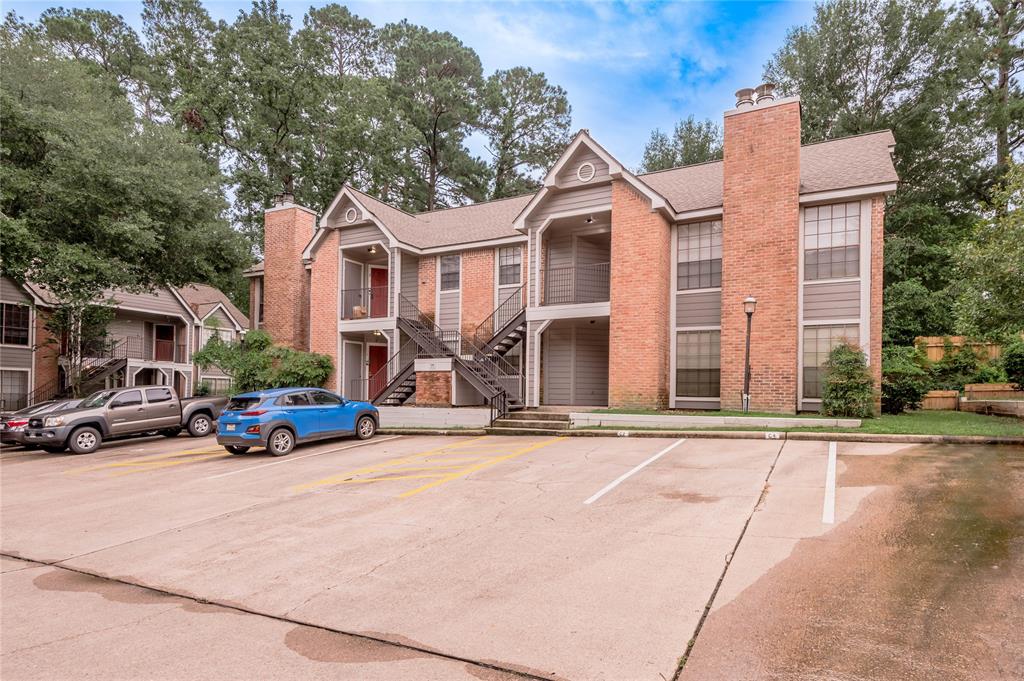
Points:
[(911, 423)]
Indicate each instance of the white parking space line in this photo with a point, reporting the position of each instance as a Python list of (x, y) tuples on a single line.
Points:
[(828, 513), (614, 483), (306, 456)]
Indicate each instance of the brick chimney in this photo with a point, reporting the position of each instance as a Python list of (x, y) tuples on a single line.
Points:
[(761, 219), (287, 228)]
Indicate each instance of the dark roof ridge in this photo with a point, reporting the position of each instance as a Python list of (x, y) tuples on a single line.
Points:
[(475, 203)]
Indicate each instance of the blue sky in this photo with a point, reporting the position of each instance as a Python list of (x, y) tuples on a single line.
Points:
[(628, 67)]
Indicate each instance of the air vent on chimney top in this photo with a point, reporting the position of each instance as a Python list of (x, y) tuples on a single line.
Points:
[(765, 93), (745, 98)]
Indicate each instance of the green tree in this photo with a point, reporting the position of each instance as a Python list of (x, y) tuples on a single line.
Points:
[(691, 142), (435, 83), (992, 56), (526, 120), (990, 265), (93, 198), (905, 378)]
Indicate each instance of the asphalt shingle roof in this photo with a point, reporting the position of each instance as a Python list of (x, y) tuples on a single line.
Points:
[(202, 299)]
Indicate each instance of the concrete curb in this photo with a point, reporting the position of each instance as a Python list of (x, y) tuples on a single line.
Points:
[(735, 435), (432, 431)]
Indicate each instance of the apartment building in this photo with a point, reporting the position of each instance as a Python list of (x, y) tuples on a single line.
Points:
[(604, 287), (151, 340)]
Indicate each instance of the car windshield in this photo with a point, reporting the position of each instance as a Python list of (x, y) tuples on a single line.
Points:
[(241, 403), (97, 399)]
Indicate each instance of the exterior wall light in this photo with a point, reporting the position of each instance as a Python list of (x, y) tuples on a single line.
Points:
[(372, 250)]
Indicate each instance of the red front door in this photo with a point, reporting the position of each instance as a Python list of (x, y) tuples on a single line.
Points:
[(378, 292), (378, 378)]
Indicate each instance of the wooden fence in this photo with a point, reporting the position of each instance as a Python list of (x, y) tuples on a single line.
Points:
[(935, 347)]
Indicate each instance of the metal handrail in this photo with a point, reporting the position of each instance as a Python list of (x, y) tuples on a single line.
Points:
[(576, 284), (369, 302), (111, 352), (506, 311), (451, 343), (377, 382)]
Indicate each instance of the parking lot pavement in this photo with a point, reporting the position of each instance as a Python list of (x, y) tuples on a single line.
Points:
[(572, 558)]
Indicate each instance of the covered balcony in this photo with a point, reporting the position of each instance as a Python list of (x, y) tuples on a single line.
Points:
[(576, 263), (365, 283)]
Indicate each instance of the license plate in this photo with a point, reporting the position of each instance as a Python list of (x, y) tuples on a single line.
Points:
[(230, 426)]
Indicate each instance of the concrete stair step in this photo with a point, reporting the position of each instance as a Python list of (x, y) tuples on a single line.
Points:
[(534, 415), (524, 431), (537, 425)]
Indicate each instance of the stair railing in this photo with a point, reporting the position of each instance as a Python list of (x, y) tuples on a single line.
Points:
[(109, 353), (452, 343), (506, 311), (379, 380)]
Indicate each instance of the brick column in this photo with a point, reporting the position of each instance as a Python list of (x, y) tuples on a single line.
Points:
[(433, 388), (287, 230), (640, 278), (477, 289), (46, 353), (427, 289), (323, 303), (760, 241), (877, 269)]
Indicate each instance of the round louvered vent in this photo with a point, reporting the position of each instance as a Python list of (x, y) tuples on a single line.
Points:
[(586, 172)]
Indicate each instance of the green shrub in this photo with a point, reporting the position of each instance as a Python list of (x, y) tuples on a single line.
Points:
[(1013, 362), (255, 363), (201, 390), (848, 389), (956, 368), (905, 378)]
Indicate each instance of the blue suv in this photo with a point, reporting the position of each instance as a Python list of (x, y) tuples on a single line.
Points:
[(279, 419)]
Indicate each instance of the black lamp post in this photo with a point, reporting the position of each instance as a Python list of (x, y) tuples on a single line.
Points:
[(749, 304)]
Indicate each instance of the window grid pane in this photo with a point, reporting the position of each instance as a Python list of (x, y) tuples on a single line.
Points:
[(509, 265), (449, 272), (14, 320), (832, 241), (699, 255), (697, 363), (818, 343)]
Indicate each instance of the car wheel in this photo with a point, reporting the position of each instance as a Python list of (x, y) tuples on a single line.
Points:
[(365, 428), (200, 425), (85, 440), (280, 442), (236, 449), (171, 432), (51, 450)]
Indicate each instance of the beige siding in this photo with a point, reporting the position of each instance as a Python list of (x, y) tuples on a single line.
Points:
[(448, 310), (361, 234), (578, 199), (16, 357), (699, 309), (10, 292), (575, 358), (567, 177), (222, 320), (837, 300), (160, 301)]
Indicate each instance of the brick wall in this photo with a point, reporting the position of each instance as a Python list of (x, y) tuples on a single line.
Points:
[(433, 388), (46, 353), (323, 303), (287, 230), (640, 279), (477, 289), (877, 267), (428, 285), (761, 217)]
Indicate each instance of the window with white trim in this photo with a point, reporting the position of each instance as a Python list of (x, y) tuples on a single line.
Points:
[(510, 265), (14, 323), (218, 386), (225, 335), (698, 357), (450, 272), (819, 341), (699, 255), (832, 241)]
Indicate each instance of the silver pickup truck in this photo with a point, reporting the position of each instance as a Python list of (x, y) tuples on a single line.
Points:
[(123, 412)]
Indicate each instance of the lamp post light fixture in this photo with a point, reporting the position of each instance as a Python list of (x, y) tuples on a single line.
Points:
[(749, 305)]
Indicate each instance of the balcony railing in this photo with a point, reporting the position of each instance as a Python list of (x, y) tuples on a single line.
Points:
[(135, 347), (577, 284), (364, 303)]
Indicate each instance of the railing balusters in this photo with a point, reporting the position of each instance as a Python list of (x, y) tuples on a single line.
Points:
[(577, 284), (364, 303)]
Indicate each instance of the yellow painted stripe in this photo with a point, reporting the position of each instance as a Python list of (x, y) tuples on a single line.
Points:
[(471, 469), (381, 467), (145, 459)]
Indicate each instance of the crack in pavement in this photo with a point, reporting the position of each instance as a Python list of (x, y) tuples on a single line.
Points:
[(283, 618)]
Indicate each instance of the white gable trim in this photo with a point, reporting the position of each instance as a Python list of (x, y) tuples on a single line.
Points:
[(368, 218), (220, 306), (615, 170)]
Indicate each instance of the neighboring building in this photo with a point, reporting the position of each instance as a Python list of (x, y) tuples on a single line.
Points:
[(603, 288), (151, 341)]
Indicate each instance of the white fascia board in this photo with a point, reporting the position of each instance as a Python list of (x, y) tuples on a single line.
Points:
[(220, 306), (579, 311), (183, 303), (849, 193), (690, 215)]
